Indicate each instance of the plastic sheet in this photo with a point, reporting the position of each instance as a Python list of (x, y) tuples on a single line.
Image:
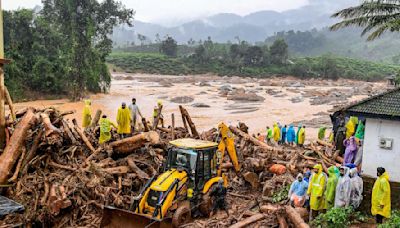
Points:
[(8, 206)]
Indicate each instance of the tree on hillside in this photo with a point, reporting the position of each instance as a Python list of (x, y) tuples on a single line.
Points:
[(169, 47), (86, 26), (253, 56), (279, 52), (142, 38), (375, 16)]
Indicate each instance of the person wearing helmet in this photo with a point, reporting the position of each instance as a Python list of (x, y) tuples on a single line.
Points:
[(123, 121), (157, 113)]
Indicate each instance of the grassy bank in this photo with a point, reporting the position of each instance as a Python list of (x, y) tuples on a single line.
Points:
[(308, 67)]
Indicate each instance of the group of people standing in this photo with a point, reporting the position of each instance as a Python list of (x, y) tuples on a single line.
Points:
[(284, 135), (340, 187), (126, 119)]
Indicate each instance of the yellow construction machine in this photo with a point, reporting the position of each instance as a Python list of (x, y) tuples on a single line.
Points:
[(191, 170)]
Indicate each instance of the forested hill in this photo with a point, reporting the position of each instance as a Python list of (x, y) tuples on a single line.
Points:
[(345, 43)]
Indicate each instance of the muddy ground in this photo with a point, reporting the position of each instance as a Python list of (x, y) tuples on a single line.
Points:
[(212, 99)]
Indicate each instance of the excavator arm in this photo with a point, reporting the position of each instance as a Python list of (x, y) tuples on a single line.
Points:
[(227, 143)]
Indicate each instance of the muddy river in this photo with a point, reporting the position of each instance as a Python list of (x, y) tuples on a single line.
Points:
[(256, 102)]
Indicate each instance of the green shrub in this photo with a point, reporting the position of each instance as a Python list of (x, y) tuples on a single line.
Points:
[(338, 217), (394, 221)]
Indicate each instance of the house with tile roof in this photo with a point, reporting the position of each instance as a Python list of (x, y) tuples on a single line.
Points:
[(382, 132)]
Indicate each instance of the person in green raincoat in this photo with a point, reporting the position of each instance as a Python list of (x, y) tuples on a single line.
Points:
[(269, 134), (105, 129), (321, 133), (316, 190), (380, 201), (360, 130), (87, 114), (331, 188)]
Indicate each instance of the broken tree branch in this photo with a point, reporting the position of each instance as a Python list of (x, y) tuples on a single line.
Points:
[(13, 149)]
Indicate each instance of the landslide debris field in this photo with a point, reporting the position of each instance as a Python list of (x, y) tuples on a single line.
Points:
[(63, 178), (212, 99)]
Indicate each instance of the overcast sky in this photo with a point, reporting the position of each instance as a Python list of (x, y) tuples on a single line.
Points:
[(170, 11)]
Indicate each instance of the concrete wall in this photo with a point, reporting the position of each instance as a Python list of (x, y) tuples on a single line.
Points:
[(374, 156)]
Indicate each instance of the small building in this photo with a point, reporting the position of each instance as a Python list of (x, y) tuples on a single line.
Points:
[(382, 132)]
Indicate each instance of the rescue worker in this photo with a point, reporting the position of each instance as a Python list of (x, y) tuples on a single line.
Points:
[(123, 121), (342, 196), (260, 137), (291, 135), (297, 191), (277, 133), (316, 190), (269, 134), (158, 108), (297, 133), (356, 188), (351, 150), (105, 129), (340, 137), (134, 110), (301, 137), (351, 126), (380, 201), (87, 114), (321, 133), (360, 130), (219, 194), (283, 134), (330, 188)]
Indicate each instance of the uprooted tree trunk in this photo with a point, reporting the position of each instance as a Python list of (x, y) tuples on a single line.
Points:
[(295, 217), (248, 221), (129, 145), (10, 104), (186, 116), (96, 119), (13, 149)]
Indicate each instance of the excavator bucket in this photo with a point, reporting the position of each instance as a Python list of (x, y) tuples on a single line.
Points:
[(116, 218)]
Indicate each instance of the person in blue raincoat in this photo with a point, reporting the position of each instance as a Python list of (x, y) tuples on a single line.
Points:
[(283, 134), (297, 192), (291, 135)]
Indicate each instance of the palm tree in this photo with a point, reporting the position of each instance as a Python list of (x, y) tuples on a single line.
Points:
[(375, 16)]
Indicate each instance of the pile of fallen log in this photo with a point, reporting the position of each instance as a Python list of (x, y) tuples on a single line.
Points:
[(63, 177)]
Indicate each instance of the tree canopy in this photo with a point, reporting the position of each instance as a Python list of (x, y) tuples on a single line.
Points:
[(62, 49), (375, 16)]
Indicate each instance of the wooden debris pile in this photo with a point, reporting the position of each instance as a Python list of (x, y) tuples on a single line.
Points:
[(63, 177)]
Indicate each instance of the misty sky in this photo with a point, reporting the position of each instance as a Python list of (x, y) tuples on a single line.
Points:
[(171, 11)]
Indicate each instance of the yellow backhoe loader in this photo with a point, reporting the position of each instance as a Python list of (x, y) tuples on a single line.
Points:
[(191, 170)]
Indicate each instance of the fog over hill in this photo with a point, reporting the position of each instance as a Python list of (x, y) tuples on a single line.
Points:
[(253, 27)]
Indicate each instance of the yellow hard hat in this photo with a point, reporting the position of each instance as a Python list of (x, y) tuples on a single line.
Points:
[(159, 102)]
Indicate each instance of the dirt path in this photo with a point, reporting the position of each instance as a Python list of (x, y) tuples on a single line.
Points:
[(276, 99)]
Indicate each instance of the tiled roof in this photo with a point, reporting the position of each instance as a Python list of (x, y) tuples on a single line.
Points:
[(385, 105)]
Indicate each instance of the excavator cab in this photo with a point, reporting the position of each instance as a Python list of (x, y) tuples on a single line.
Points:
[(191, 169)]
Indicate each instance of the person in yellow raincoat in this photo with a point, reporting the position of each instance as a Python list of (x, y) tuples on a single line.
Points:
[(351, 126), (330, 188), (277, 133), (380, 201), (316, 190), (124, 120), (158, 108), (105, 129), (302, 136), (87, 114)]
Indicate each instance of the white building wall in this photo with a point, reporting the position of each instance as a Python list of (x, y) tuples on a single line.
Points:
[(374, 156)]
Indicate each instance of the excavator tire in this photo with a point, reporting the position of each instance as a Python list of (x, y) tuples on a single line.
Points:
[(181, 216), (206, 202)]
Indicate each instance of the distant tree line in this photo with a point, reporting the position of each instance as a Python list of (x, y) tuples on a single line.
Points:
[(62, 49)]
